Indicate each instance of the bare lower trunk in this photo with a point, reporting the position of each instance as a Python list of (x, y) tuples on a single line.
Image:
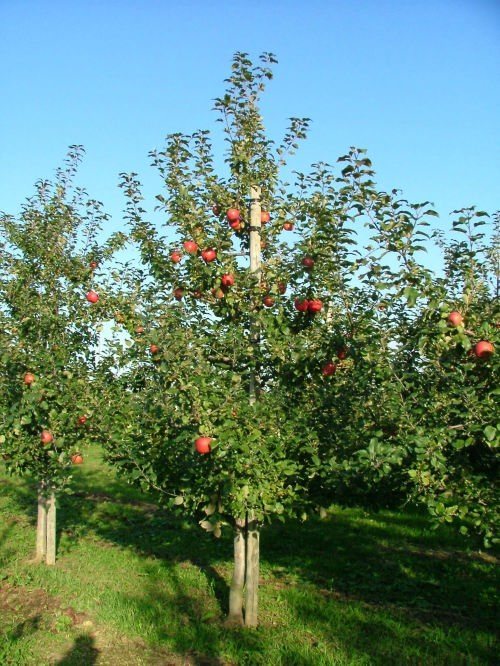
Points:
[(51, 530), (46, 527), (41, 527), (235, 616), (252, 574)]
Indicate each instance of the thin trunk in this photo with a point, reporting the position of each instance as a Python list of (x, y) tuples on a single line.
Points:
[(41, 527), (51, 530), (252, 575), (235, 617)]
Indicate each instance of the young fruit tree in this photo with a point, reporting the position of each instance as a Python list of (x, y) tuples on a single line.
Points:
[(256, 374), (51, 305)]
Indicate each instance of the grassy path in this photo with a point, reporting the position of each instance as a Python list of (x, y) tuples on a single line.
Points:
[(134, 586)]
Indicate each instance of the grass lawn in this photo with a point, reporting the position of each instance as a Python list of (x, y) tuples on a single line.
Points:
[(134, 585)]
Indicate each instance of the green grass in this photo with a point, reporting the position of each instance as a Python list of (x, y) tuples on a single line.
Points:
[(135, 585)]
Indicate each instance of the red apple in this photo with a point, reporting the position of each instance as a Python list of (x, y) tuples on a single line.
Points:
[(92, 296), (268, 301), (483, 349), (176, 256), (455, 318), (281, 287), (190, 246), (209, 255), (29, 378), (202, 444), (308, 262), (233, 214), (315, 305), (77, 459), (139, 330), (154, 349), (263, 244), (288, 226), (227, 280), (178, 293), (342, 354), (301, 304), (197, 293), (328, 369), (215, 209), (264, 217), (93, 265), (46, 437), (81, 419)]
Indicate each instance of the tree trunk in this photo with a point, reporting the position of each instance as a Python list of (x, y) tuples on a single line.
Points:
[(51, 530), (235, 617), (41, 527), (46, 527), (252, 574)]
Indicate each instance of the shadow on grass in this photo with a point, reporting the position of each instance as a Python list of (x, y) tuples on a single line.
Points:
[(372, 579), (83, 653)]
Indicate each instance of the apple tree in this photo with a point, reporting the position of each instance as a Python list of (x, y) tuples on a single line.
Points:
[(51, 307)]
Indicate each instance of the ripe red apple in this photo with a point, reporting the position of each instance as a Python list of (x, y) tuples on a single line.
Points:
[(139, 330), (81, 419), (29, 378), (455, 318), (342, 354), (176, 256), (483, 349), (288, 226), (236, 225), (197, 293), (209, 255), (227, 280), (308, 262), (190, 246), (154, 349), (328, 369), (178, 293), (233, 214), (315, 305), (268, 301), (301, 304), (46, 437), (281, 287), (92, 296), (202, 444), (77, 459), (93, 265), (265, 216)]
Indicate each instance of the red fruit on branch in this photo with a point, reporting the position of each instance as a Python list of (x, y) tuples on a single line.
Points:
[(483, 349), (93, 265), (176, 256), (342, 354), (154, 349), (315, 305), (288, 226), (308, 262), (227, 280), (328, 369), (77, 459), (139, 330), (265, 216), (268, 301), (202, 445), (92, 296), (281, 287), (216, 210), (29, 378), (236, 225), (81, 420), (455, 318), (46, 437), (209, 255), (301, 304), (218, 292), (178, 293), (190, 246), (233, 214)]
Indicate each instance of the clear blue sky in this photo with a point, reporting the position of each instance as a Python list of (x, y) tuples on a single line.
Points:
[(416, 82)]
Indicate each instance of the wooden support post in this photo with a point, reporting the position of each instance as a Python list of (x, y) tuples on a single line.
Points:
[(252, 574), (235, 617), (51, 530), (41, 527)]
